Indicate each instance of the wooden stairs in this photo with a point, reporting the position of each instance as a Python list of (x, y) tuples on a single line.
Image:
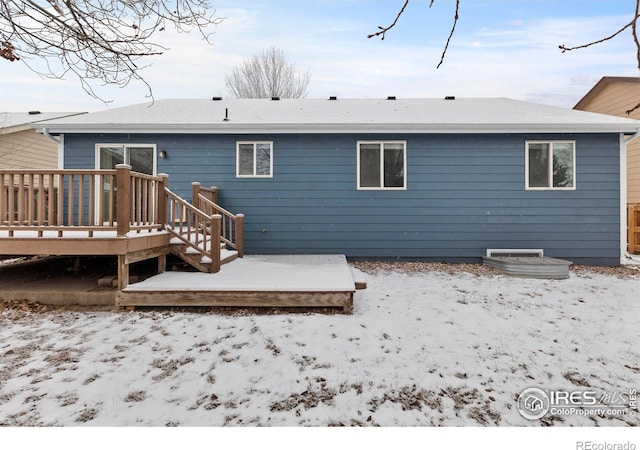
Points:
[(202, 233), (195, 254)]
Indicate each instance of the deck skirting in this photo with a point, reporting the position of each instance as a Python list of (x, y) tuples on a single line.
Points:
[(244, 299)]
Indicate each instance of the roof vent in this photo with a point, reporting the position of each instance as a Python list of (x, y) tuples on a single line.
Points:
[(450, 97), (33, 113), (333, 97), (391, 97), (275, 98), (216, 99)]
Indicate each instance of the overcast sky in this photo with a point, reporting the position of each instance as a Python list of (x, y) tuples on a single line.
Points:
[(501, 48)]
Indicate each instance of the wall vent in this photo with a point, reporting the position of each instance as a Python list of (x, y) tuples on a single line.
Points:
[(515, 252)]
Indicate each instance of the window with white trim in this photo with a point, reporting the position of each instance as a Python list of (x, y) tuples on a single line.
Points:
[(550, 165), (141, 157), (382, 164), (254, 159)]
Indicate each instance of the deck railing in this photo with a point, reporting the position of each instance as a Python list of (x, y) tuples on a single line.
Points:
[(195, 229), (56, 202), (210, 194), (80, 200), (231, 225), (633, 228)]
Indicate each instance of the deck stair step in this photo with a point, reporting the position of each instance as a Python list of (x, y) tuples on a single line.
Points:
[(195, 258), (194, 251), (359, 278)]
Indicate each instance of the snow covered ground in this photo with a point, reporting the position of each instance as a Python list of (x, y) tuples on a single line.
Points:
[(426, 345)]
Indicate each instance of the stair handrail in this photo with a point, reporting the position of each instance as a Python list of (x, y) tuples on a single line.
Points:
[(202, 230), (232, 225)]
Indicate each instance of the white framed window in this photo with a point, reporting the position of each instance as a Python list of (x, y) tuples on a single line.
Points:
[(550, 165), (141, 157), (254, 159), (382, 165)]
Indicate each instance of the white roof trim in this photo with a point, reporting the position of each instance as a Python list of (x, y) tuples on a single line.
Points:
[(345, 129)]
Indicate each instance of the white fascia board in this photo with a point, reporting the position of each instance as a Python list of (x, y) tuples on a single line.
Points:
[(346, 128), (61, 153), (623, 199)]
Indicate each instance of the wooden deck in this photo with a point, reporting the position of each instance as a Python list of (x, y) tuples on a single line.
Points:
[(136, 217), (117, 212), (254, 281)]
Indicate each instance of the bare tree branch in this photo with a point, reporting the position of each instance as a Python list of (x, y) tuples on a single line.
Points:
[(383, 30), (267, 75), (453, 29), (634, 27), (633, 24), (95, 40), (564, 48), (637, 42)]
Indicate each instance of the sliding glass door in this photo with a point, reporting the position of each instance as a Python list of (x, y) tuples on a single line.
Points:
[(141, 158)]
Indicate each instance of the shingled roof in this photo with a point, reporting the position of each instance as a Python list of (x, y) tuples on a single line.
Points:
[(224, 116)]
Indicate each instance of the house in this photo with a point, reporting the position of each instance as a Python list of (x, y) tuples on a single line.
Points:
[(402, 179), (620, 96), (21, 147), (616, 96)]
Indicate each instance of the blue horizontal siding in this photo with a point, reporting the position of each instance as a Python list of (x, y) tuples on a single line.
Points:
[(465, 193)]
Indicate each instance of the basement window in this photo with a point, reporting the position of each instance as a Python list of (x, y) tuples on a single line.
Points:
[(382, 165), (254, 160), (550, 165)]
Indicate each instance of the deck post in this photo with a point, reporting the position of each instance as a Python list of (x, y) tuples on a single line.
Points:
[(123, 272), (240, 235), (216, 220), (162, 263), (3, 203), (214, 191), (195, 191), (161, 203), (123, 196)]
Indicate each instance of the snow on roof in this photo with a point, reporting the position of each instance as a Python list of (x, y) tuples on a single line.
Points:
[(23, 119), (220, 116)]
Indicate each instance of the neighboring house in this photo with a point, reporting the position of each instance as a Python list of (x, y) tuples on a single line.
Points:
[(21, 147), (431, 179), (616, 96)]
